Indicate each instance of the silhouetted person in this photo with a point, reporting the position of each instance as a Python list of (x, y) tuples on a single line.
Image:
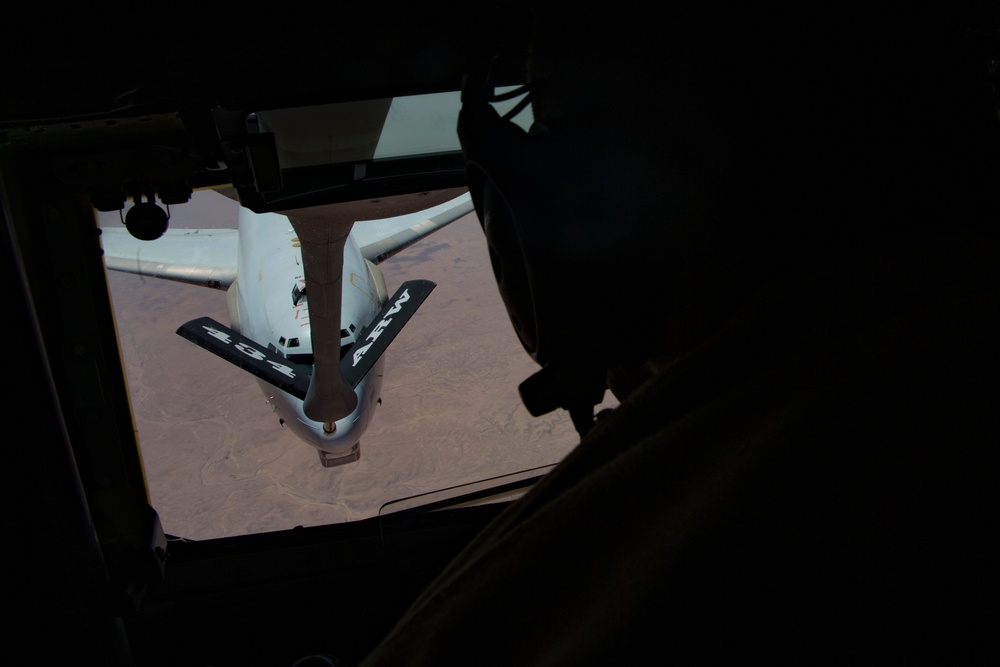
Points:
[(772, 230)]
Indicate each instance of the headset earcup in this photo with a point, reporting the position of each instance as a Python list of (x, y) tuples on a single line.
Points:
[(506, 250)]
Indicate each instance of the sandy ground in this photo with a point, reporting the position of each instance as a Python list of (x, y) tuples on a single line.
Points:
[(217, 462)]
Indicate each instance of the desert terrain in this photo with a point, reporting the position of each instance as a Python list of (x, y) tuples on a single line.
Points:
[(217, 462)]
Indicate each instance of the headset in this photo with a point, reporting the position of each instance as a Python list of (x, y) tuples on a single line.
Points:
[(557, 213)]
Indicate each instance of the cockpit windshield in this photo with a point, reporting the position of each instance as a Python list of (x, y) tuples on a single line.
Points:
[(219, 462)]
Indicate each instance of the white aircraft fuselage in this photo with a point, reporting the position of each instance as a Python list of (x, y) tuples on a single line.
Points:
[(269, 304), (262, 268)]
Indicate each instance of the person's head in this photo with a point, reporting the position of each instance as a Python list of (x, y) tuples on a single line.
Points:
[(685, 153)]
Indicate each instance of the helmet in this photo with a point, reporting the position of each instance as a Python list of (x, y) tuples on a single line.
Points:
[(564, 228)]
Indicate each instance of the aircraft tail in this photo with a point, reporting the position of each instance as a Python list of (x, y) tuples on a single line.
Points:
[(252, 357), (375, 338), (294, 378)]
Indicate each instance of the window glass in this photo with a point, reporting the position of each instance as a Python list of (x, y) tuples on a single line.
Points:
[(371, 129), (219, 463)]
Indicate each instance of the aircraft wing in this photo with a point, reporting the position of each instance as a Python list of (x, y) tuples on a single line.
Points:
[(381, 239), (207, 257), (204, 257)]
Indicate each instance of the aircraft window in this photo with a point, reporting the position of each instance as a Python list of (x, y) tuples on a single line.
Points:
[(450, 413), (371, 129), (344, 333), (422, 124), (298, 295), (281, 341)]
